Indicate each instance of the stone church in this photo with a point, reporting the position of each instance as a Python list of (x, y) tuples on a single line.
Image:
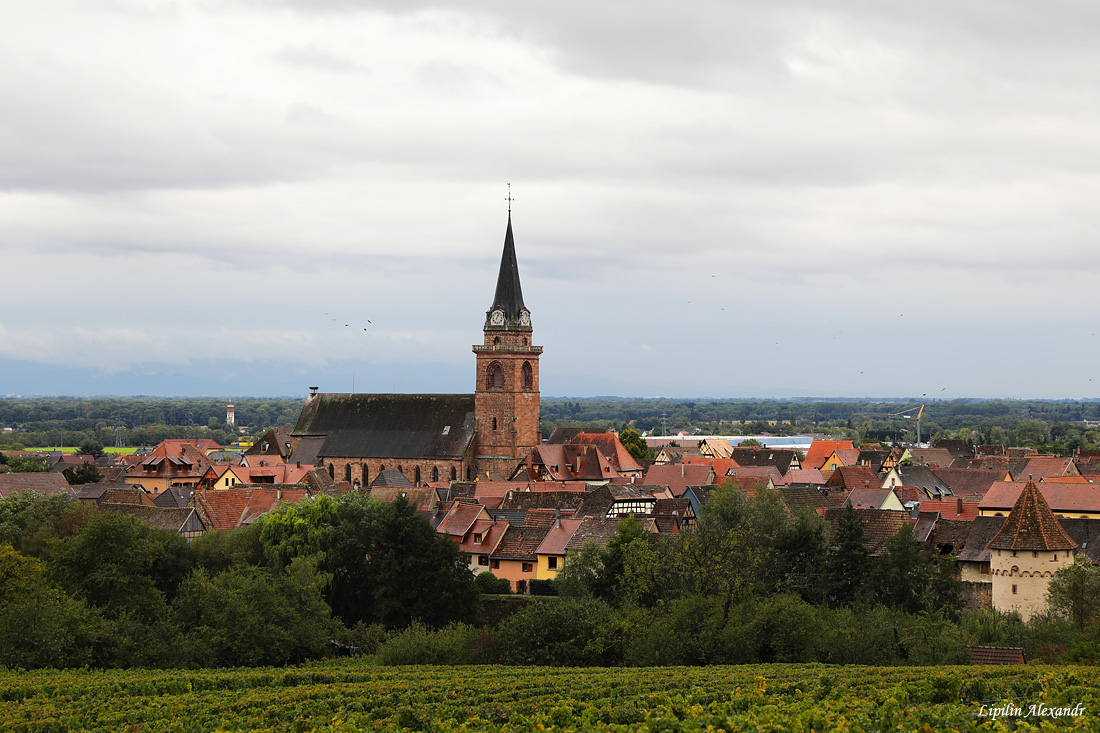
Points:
[(439, 437)]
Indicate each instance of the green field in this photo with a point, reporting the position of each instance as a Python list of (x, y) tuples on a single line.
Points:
[(354, 695)]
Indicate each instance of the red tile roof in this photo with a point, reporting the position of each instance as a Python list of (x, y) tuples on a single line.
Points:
[(720, 465), (951, 509), (1032, 526), (612, 448), (42, 483), (820, 450), (801, 476), (1061, 498), (677, 477), (558, 537), (491, 531), (459, 519), (520, 543), (854, 477), (231, 508)]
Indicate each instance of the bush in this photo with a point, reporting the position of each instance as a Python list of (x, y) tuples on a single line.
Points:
[(542, 588), (555, 633), (490, 584), (686, 634), (455, 644)]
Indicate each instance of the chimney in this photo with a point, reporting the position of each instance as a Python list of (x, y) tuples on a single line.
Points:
[(681, 470)]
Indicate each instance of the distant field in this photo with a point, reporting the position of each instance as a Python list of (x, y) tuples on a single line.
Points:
[(355, 695)]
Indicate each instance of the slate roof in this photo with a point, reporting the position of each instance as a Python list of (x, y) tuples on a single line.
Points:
[(513, 517), (956, 447), (1032, 526), (308, 450), (1086, 533), (391, 478), (968, 481), (543, 500), (509, 295), (426, 426), (982, 531), (43, 483), (925, 479), (173, 497)]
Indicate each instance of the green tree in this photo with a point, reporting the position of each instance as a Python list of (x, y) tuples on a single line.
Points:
[(750, 443), (85, 473), (848, 563), (1073, 592), (92, 447), (635, 445), (249, 616), (902, 574), (25, 464), (120, 565), (40, 626)]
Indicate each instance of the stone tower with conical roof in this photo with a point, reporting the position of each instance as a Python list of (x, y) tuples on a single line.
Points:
[(506, 396), (1024, 555)]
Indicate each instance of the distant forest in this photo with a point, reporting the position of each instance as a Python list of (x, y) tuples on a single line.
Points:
[(1052, 425)]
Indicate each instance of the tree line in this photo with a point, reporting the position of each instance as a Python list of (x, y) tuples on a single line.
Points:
[(749, 583)]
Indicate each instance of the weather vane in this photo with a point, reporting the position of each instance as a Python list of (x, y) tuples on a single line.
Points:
[(509, 199)]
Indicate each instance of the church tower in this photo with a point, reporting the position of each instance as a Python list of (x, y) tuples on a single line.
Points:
[(506, 398)]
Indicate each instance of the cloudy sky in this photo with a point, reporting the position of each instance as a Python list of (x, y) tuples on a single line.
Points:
[(712, 199)]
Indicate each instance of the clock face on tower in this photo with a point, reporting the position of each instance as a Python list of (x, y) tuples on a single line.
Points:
[(496, 318), (525, 317)]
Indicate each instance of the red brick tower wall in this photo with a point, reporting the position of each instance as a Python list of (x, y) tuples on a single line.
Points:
[(507, 409)]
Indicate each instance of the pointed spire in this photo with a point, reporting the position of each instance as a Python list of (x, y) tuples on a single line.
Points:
[(509, 294), (1031, 525)]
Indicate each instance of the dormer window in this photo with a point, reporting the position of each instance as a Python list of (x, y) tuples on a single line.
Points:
[(477, 538)]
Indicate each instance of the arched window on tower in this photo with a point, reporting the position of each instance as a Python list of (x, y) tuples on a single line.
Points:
[(347, 473), (366, 475), (494, 377), (435, 474), (528, 376), (331, 471), (494, 423), (416, 480), (454, 473)]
